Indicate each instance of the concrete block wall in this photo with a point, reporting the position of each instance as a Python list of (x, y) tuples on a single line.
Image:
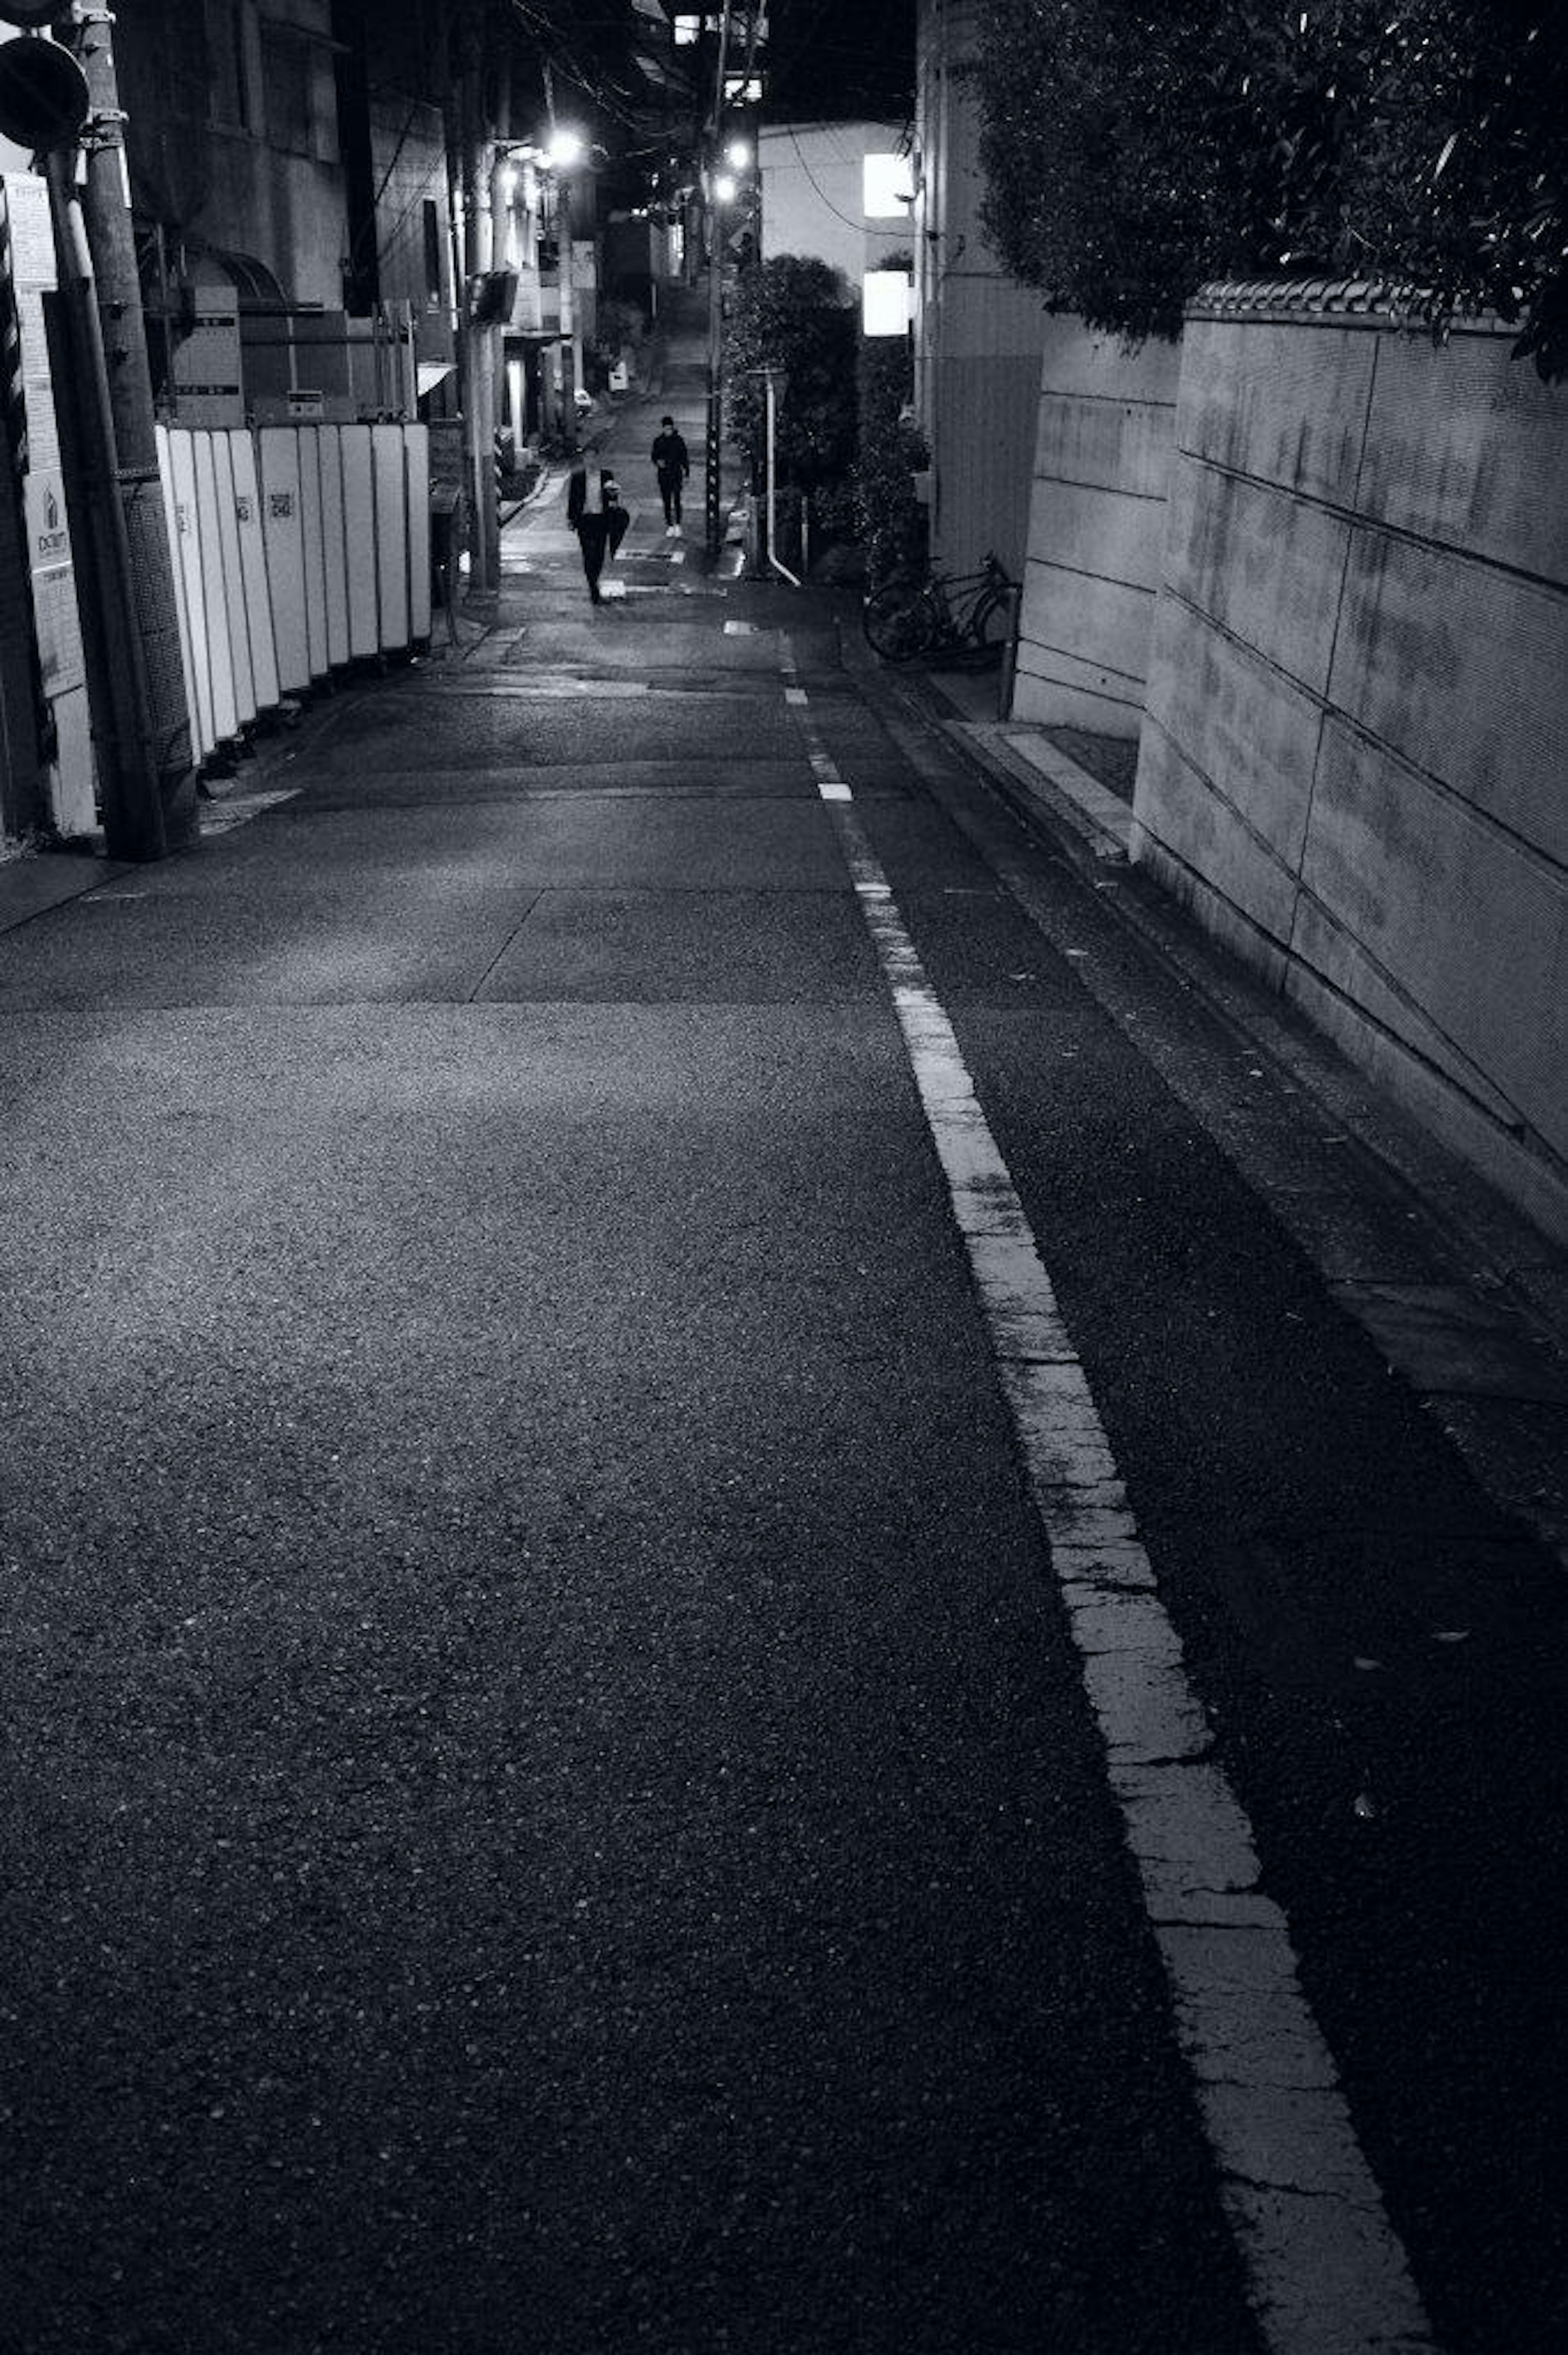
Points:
[(1354, 758), (1105, 432)]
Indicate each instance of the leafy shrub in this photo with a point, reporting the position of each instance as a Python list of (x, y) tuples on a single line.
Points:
[(1134, 148), (794, 314), (892, 524)]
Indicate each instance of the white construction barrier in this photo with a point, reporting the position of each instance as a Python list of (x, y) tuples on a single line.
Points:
[(334, 546), (284, 537), (180, 492), (417, 467), (253, 566), (391, 536), (359, 532), (220, 653), (296, 549), (233, 580), (165, 442), (309, 443)]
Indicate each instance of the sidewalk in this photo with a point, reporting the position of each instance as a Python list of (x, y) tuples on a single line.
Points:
[(1463, 1296)]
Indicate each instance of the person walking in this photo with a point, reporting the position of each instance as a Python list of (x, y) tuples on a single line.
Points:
[(595, 513), (672, 465)]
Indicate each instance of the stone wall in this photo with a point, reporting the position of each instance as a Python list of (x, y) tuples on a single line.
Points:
[(1352, 763), (1104, 435)]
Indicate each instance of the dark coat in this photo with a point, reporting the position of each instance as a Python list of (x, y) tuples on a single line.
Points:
[(670, 455), (577, 493)]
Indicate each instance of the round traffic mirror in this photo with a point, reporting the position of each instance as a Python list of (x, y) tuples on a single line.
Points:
[(44, 99)]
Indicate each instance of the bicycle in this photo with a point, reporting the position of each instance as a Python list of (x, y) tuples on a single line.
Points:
[(966, 615)]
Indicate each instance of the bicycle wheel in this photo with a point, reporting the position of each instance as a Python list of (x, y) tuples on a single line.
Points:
[(897, 620), (991, 625)]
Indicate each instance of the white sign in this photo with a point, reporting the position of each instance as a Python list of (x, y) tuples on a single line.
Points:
[(885, 303), (56, 622)]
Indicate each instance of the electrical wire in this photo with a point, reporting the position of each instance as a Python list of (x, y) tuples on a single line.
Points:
[(854, 220)]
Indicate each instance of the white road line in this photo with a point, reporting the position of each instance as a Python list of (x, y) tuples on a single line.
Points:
[(1328, 2273)]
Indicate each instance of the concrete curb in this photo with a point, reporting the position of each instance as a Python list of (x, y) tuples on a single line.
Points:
[(1481, 1337), (37, 880)]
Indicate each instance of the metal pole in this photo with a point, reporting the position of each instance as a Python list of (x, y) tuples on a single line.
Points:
[(160, 762), (770, 400), (712, 502), (133, 824)]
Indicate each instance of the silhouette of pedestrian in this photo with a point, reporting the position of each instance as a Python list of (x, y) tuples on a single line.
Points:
[(672, 465), (595, 513)]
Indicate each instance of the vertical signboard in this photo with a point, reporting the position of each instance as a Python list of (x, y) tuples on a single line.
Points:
[(24, 203)]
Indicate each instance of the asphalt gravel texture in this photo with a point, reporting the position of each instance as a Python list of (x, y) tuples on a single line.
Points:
[(549, 1803)]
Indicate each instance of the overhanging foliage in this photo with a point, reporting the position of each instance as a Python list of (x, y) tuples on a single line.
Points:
[(1134, 148)]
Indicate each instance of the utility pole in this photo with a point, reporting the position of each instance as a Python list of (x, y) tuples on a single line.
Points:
[(713, 504), (500, 259), (477, 347), (155, 805)]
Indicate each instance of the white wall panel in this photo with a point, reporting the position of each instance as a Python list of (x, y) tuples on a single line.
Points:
[(253, 565), (417, 460), (215, 593), (329, 453), (222, 445), (391, 536), (279, 466), (171, 518), (198, 677), (359, 533), (314, 549)]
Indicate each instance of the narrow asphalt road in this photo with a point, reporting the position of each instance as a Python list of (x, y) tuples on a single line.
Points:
[(637, 1382)]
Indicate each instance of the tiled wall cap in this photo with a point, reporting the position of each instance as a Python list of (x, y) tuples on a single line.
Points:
[(1380, 301)]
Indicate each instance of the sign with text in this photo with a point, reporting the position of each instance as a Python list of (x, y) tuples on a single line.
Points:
[(51, 570)]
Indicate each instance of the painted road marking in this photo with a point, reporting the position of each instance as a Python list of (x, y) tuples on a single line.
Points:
[(1328, 2273)]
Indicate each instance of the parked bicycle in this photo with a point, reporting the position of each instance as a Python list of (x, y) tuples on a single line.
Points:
[(968, 615)]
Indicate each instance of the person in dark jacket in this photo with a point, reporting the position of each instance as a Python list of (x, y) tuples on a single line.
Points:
[(595, 513), (672, 465)]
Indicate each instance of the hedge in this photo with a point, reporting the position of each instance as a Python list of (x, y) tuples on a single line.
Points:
[(1134, 148)]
